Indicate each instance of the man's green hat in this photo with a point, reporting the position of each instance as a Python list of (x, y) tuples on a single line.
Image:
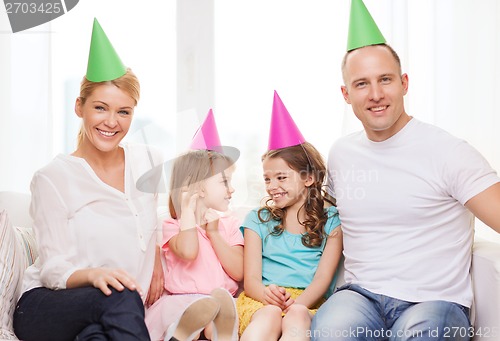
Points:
[(104, 63), (363, 30)]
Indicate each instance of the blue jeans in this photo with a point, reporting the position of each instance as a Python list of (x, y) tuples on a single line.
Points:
[(80, 314), (353, 313)]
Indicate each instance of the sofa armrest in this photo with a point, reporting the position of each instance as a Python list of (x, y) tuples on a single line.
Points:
[(486, 285)]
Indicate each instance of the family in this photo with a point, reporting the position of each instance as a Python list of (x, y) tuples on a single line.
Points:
[(103, 273)]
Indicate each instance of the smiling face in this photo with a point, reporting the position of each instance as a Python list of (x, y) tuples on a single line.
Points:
[(216, 191), (285, 186), (106, 115), (375, 88)]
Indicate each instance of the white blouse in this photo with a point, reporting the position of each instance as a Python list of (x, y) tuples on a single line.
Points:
[(81, 222)]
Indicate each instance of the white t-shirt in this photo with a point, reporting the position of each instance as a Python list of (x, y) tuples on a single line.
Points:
[(81, 222), (407, 234)]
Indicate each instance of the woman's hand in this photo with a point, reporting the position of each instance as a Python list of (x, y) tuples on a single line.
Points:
[(157, 282), (103, 278)]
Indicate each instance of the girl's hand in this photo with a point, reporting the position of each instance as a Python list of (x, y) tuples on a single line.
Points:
[(103, 278), (188, 200), (275, 295), (288, 302), (211, 220), (188, 207)]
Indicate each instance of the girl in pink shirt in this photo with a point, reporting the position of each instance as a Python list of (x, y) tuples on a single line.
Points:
[(204, 252)]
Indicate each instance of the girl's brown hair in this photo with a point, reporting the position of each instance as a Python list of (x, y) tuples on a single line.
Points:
[(128, 83), (307, 161)]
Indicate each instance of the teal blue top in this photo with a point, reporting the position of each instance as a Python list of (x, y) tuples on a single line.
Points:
[(285, 260)]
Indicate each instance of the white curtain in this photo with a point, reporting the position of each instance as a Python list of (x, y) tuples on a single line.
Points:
[(449, 48), (40, 72), (25, 105)]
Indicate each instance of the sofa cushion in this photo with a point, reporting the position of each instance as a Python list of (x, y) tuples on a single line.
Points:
[(17, 251)]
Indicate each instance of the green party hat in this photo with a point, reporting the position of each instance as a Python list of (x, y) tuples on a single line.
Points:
[(363, 30), (104, 63)]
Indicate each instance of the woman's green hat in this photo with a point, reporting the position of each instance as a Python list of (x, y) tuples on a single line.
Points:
[(363, 30), (104, 63)]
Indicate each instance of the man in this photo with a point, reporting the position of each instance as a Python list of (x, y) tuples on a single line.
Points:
[(407, 193)]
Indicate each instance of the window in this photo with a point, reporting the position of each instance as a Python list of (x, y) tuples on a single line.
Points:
[(230, 55)]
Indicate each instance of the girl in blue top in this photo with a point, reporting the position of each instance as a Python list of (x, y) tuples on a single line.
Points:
[(293, 245)]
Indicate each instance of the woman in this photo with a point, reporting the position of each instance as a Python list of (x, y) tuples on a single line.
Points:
[(95, 230)]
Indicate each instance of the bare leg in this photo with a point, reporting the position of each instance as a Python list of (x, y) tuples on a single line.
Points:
[(265, 325), (208, 331), (296, 323)]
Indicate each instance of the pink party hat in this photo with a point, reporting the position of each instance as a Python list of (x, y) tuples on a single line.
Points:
[(284, 131), (207, 136)]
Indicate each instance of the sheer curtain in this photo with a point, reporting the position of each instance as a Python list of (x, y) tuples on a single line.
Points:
[(452, 54), (230, 55), (40, 72), (25, 103), (449, 48)]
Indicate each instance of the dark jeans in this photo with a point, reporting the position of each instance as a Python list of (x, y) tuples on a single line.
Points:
[(80, 314)]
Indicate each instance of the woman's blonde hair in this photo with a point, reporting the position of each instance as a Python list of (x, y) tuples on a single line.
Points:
[(128, 83), (189, 171)]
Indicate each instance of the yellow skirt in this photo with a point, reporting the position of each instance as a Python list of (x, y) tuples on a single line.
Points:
[(247, 306)]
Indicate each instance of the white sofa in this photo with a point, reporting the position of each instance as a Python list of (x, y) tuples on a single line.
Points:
[(485, 272)]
